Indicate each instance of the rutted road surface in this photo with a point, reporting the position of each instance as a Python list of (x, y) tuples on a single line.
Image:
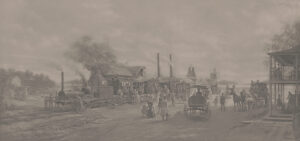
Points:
[(125, 123)]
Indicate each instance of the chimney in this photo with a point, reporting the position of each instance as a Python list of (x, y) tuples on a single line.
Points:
[(62, 81), (171, 67), (158, 67)]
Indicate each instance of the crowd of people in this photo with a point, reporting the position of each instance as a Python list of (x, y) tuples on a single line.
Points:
[(157, 104)]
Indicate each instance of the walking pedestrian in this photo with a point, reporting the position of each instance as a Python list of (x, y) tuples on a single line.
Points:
[(222, 102), (216, 101)]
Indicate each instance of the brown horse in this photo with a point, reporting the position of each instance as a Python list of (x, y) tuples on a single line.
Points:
[(236, 102)]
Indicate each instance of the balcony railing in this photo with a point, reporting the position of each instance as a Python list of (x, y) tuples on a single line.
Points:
[(279, 75)]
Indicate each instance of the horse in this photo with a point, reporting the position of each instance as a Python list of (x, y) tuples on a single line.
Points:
[(243, 101), (236, 102), (251, 103)]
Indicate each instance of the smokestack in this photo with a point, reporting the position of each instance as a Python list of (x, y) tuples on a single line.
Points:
[(62, 81), (171, 67), (158, 67)]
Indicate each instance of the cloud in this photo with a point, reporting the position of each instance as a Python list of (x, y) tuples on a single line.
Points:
[(229, 35)]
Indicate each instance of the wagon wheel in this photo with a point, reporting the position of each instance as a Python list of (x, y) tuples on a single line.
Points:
[(188, 114), (186, 111), (208, 113)]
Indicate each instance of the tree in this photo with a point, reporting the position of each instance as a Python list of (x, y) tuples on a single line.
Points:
[(290, 37), (93, 56)]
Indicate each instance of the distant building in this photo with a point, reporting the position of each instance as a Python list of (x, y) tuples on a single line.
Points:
[(214, 81), (191, 74), (118, 77)]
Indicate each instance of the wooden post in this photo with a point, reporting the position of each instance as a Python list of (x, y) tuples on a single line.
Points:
[(297, 84), (283, 89), (270, 85), (275, 84), (278, 92), (158, 66), (275, 94), (62, 81), (171, 66), (282, 93), (296, 66)]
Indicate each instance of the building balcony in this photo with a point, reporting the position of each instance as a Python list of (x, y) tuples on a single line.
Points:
[(278, 76), (290, 79)]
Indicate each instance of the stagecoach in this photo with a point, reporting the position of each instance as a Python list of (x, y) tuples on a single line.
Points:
[(197, 104)]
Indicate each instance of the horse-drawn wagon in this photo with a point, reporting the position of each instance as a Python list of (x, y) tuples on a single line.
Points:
[(198, 102)]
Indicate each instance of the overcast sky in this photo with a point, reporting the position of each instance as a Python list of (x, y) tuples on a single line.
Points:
[(229, 35)]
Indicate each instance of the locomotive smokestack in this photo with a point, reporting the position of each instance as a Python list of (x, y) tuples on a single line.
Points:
[(158, 67), (171, 67), (62, 81)]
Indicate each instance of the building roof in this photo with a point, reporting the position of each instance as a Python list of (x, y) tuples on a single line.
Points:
[(286, 57), (292, 51), (127, 71), (135, 70), (119, 71), (142, 79)]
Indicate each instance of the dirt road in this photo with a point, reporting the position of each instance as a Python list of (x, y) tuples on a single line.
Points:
[(125, 123)]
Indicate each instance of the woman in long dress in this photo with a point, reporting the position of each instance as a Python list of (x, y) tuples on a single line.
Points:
[(164, 109)]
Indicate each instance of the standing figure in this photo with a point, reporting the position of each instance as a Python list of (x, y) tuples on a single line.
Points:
[(158, 95), (222, 102), (150, 112), (159, 105), (46, 102), (51, 102), (216, 101), (164, 109), (243, 100), (120, 92), (173, 99), (291, 102), (279, 102), (144, 110), (166, 91), (137, 96)]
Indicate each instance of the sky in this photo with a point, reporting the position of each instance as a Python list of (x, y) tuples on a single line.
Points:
[(227, 35)]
